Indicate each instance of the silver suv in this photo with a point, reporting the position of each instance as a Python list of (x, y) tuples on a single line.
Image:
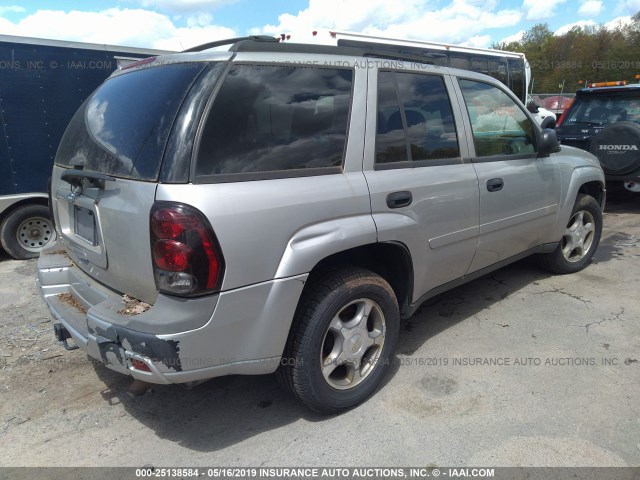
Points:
[(281, 207)]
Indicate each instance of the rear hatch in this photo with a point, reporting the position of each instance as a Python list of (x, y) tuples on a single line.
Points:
[(106, 172), (606, 122), (594, 110)]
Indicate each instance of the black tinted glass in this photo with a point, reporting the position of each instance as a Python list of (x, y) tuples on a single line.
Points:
[(391, 142), (602, 110), (270, 119), (516, 79), (430, 130), (430, 127), (123, 127)]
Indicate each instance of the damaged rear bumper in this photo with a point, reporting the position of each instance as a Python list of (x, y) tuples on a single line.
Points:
[(238, 332)]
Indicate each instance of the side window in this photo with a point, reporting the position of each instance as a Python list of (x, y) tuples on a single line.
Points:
[(274, 119), (460, 62), (516, 78), (415, 120), (391, 141), (498, 70), (480, 65), (499, 125)]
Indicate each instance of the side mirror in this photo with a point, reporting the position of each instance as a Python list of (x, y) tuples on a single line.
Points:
[(548, 143), (548, 122), (533, 107)]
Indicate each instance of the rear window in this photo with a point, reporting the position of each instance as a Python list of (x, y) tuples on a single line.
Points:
[(274, 121), (122, 129), (603, 110)]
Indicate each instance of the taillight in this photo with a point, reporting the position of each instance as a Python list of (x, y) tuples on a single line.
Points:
[(172, 255), (564, 112), (187, 259)]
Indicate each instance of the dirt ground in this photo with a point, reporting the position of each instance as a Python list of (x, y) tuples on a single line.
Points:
[(567, 397)]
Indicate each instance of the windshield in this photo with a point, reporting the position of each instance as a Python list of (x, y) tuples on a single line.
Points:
[(122, 129), (603, 110)]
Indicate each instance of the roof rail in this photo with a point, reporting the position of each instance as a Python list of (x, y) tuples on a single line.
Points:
[(392, 50), (230, 41), (344, 38)]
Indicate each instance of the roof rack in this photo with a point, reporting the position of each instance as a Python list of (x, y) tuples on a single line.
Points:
[(353, 48), (230, 41), (392, 50), (356, 44), (351, 38)]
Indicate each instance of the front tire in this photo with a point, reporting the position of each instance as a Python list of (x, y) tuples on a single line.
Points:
[(580, 239), (342, 340)]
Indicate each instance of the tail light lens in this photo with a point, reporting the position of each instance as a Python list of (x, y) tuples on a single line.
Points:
[(187, 259), (564, 113)]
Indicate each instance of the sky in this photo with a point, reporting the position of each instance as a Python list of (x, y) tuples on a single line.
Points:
[(180, 24)]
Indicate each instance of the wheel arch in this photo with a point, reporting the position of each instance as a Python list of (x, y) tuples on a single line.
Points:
[(8, 205), (13, 212), (586, 179), (595, 189), (391, 260)]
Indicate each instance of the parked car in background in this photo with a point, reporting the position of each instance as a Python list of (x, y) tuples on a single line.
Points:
[(42, 84), (277, 208), (556, 103), (540, 113), (604, 119)]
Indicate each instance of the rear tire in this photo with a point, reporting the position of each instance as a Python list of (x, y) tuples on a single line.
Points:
[(342, 340), (580, 239), (26, 231)]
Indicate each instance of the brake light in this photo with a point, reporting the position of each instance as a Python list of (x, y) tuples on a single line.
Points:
[(171, 255), (187, 259), (564, 112)]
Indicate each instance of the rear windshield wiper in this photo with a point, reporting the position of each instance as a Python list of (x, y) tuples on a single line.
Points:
[(75, 178)]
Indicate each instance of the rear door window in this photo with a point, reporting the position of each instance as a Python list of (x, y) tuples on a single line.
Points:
[(122, 129), (415, 120), (275, 121)]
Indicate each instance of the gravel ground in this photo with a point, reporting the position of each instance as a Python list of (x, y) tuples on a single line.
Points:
[(563, 388)]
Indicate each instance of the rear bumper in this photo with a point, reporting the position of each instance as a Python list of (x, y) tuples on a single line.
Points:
[(244, 331)]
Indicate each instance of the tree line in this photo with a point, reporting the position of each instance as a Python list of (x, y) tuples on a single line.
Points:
[(583, 54)]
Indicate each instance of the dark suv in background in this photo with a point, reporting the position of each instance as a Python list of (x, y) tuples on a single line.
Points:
[(605, 120)]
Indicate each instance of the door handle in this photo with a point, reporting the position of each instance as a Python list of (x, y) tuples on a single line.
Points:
[(495, 184), (399, 199)]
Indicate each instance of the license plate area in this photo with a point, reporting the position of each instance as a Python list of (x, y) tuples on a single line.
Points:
[(85, 225)]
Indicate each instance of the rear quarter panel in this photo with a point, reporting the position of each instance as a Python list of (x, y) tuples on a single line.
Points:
[(278, 228)]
